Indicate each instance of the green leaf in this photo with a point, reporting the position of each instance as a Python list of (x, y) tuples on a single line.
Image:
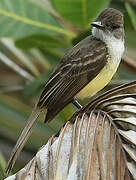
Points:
[(39, 41), (2, 166), (46, 4), (130, 40), (80, 12), (2, 162), (22, 18), (132, 14)]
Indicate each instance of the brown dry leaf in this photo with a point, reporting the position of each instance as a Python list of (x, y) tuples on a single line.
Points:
[(88, 149), (99, 142)]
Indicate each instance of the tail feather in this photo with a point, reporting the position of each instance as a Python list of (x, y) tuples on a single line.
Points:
[(23, 138)]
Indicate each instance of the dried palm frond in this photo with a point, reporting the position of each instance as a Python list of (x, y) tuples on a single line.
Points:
[(99, 142)]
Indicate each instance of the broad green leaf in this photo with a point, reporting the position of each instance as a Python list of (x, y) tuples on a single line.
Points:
[(80, 12), (132, 14), (46, 4), (22, 18), (39, 41)]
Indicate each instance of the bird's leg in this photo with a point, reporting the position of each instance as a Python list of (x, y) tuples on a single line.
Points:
[(76, 103)]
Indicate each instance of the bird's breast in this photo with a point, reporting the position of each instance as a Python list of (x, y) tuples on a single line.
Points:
[(100, 81), (116, 50)]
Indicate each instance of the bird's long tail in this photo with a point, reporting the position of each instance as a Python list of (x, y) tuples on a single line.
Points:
[(23, 138)]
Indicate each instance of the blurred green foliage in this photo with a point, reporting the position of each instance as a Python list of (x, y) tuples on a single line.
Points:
[(35, 34)]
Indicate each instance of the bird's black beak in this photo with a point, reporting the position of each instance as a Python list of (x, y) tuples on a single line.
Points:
[(97, 24)]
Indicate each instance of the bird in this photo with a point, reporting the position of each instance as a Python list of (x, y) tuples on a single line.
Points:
[(82, 72)]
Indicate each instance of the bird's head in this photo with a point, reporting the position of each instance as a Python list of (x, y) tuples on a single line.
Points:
[(109, 23)]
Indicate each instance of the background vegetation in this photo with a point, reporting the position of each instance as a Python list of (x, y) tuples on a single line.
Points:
[(35, 34)]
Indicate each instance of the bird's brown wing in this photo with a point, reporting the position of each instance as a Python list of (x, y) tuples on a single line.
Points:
[(76, 69)]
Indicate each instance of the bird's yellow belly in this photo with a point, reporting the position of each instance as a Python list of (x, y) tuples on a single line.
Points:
[(100, 81)]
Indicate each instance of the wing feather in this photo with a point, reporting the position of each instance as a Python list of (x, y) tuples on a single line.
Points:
[(76, 69)]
